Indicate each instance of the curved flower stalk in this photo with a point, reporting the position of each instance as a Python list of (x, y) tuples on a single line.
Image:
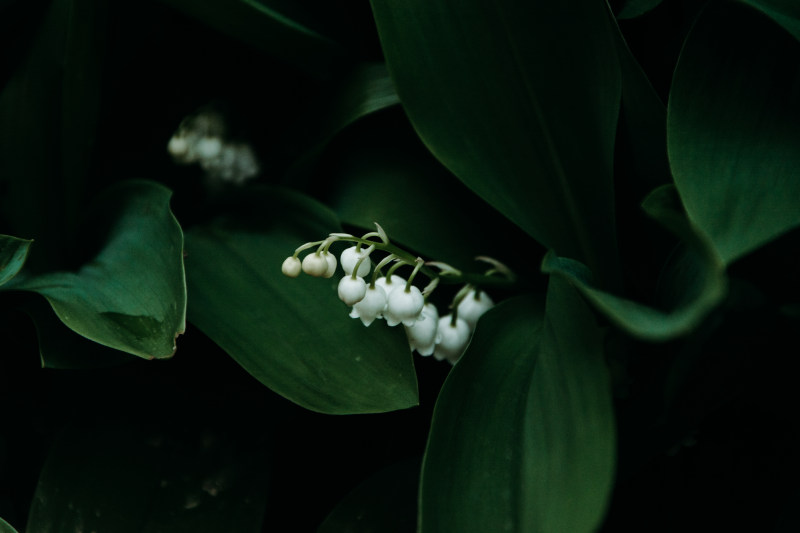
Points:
[(396, 299)]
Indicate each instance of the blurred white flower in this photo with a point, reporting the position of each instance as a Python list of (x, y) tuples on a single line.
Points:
[(422, 334), (452, 338)]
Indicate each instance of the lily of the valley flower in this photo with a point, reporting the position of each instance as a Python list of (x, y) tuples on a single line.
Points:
[(422, 334), (404, 305), (473, 306), (452, 338), (352, 289), (291, 267), (315, 265), (349, 259), (371, 306)]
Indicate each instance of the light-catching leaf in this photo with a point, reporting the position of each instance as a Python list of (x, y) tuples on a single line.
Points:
[(132, 295), (696, 277), (293, 335), (733, 124), (5, 527), (490, 96), (784, 12), (13, 252), (637, 8), (523, 434)]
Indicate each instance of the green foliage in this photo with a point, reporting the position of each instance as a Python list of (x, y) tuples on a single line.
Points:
[(13, 252)]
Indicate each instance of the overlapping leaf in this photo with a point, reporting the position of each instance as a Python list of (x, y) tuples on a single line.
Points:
[(523, 434), (734, 127), (13, 252), (293, 335), (132, 295), (490, 96)]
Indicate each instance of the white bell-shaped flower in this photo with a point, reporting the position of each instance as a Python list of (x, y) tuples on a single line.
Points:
[(291, 267), (389, 285), (371, 306), (315, 265), (352, 290), (473, 306), (330, 259), (350, 257), (422, 334), (403, 306), (451, 339)]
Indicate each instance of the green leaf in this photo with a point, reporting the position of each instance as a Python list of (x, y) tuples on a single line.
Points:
[(264, 25), (490, 96), (784, 12), (696, 278), (523, 436), (13, 252), (637, 8), (132, 295), (733, 127), (5, 527), (142, 477), (384, 503), (293, 335)]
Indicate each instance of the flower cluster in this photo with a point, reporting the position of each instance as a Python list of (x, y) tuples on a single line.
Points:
[(396, 299)]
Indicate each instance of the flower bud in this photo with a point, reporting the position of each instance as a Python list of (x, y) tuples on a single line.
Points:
[(315, 265), (403, 306), (352, 290), (452, 339), (422, 335), (291, 267), (330, 259), (389, 285), (371, 306), (473, 306), (350, 257)]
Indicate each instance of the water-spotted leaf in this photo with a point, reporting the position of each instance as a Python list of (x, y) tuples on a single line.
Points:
[(293, 335), (695, 274), (132, 295), (490, 96), (13, 252), (523, 434), (733, 127)]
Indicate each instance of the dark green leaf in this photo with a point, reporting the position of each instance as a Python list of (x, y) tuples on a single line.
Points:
[(523, 435), (13, 252), (132, 295), (636, 8), (784, 12), (293, 335), (385, 503), (490, 96), (733, 128), (264, 25), (5, 527), (696, 276)]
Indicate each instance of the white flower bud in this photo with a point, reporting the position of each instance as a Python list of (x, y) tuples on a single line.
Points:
[(422, 335), (471, 307), (451, 339), (352, 290), (208, 147), (350, 257), (291, 267), (403, 306), (330, 259), (370, 306), (390, 285), (315, 265), (177, 146)]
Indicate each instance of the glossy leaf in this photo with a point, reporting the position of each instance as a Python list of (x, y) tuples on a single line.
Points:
[(293, 335), (733, 128), (5, 527), (697, 277), (784, 12), (384, 503), (637, 8), (488, 94), (132, 295), (265, 25), (13, 252), (523, 436)]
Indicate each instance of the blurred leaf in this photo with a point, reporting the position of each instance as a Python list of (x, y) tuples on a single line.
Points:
[(523, 436), (784, 12), (5, 527), (150, 478), (636, 8), (489, 95), (13, 252), (293, 335), (48, 114), (384, 503), (733, 127), (264, 25), (696, 277), (132, 295)]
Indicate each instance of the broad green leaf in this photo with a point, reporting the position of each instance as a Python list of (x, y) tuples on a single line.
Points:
[(696, 278), (13, 252), (784, 12), (384, 503), (142, 477), (733, 127), (293, 335), (523, 435), (5, 527), (637, 8), (264, 25), (132, 295), (489, 94)]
